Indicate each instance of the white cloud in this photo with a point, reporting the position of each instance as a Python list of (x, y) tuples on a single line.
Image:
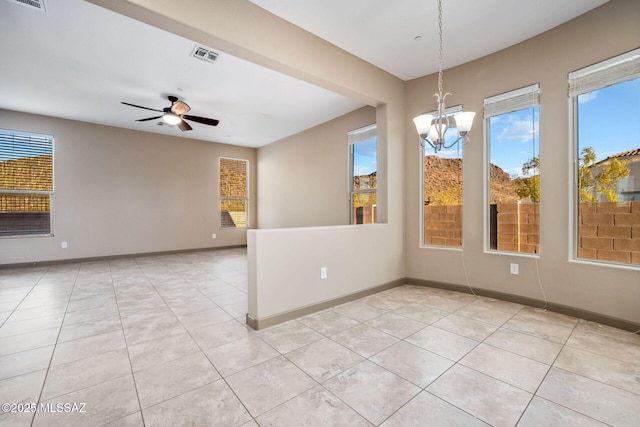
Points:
[(361, 170), (514, 172), (519, 130), (449, 154), (587, 97)]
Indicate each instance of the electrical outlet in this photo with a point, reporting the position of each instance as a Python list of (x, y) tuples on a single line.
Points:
[(213, 236), (514, 268), (323, 273), (64, 245)]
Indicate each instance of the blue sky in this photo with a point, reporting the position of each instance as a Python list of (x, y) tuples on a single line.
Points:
[(514, 139), (609, 121), (364, 157)]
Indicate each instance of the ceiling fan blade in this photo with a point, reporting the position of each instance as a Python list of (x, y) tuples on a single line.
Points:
[(180, 108), (203, 120), (184, 126), (149, 118), (139, 106)]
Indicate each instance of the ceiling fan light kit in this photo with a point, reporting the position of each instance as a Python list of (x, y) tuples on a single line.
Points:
[(176, 115), (171, 119)]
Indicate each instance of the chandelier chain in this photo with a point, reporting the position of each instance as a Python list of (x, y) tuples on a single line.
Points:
[(441, 97)]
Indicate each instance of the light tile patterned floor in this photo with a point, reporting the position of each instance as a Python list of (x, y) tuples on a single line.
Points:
[(161, 341)]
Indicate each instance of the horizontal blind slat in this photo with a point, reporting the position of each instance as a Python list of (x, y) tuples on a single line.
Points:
[(616, 70), (362, 134), (512, 101), (233, 177), (26, 183), (26, 161)]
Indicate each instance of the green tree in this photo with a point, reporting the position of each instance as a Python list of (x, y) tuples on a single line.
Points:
[(529, 187), (589, 185), (604, 182), (450, 197)]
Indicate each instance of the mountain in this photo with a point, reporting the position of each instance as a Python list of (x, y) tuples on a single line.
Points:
[(440, 173), (362, 182)]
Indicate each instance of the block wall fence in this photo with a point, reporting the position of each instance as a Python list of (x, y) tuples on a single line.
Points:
[(607, 231)]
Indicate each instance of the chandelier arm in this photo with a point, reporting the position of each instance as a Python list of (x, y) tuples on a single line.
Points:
[(453, 143), (426, 139), (442, 119)]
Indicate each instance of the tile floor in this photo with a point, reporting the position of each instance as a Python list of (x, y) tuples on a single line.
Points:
[(161, 341)]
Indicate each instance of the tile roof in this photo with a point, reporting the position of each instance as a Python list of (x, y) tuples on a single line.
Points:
[(634, 152)]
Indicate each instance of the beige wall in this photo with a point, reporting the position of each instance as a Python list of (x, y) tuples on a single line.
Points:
[(286, 264), (119, 191), (304, 178), (547, 59)]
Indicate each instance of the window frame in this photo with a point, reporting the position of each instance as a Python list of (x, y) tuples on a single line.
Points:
[(601, 75), (354, 137), (448, 112), (222, 198), (505, 103), (50, 140)]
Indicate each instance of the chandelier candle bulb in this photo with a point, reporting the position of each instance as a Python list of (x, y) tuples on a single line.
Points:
[(464, 121), (436, 133), (423, 123)]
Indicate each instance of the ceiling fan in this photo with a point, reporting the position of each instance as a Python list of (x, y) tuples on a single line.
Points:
[(175, 115)]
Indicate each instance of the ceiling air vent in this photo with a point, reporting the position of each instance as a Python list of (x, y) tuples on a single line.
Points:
[(205, 54), (36, 4)]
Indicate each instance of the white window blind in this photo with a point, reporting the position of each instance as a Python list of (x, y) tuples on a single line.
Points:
[(26, 161), (607, 73), (26, 183), (234, 200), (518, 99), (361, 134), (448, 112)]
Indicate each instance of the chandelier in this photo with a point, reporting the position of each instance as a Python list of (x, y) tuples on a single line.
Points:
[(432, 129)]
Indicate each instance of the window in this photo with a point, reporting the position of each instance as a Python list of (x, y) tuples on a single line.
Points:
[(442, 190), (26, 183), (512, 123), (606, 110), (363, 166), (234, 199)]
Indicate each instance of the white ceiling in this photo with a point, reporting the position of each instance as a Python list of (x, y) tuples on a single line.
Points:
[(78, 61), (384, 32)]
